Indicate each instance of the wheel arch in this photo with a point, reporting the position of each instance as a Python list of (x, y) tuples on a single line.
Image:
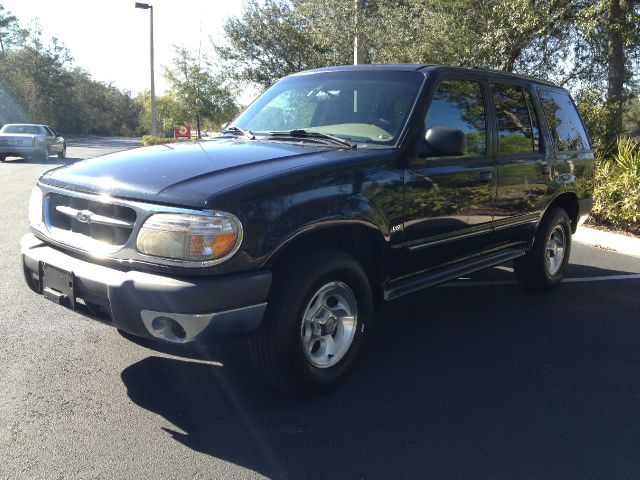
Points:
[(568, 201), (363, 242)]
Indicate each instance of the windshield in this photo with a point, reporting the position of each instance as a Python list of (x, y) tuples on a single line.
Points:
[(28, 129), (360, 106)]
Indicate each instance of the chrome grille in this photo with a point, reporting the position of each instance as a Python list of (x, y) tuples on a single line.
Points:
[(101, 221)]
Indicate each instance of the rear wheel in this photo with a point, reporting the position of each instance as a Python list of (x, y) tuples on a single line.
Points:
[(542, 268), (315, 322), (2, 158), (62, 153)]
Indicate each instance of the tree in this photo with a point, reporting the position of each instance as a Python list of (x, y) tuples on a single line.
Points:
[(8, 28), (201, 93), (39, 84), (170, 112), (268, 41)]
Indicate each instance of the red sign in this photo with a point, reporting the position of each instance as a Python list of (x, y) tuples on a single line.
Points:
[(183, 131)]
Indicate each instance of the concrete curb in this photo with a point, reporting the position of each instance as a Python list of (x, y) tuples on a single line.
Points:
[(616, 242)]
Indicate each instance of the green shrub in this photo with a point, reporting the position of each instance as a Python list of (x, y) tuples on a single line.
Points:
[(617, 188), (149, 140)]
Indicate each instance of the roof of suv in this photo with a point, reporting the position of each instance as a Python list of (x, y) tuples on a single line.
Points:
[(426, 68)]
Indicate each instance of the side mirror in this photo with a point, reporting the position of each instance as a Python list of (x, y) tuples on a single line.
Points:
[(444, 142)]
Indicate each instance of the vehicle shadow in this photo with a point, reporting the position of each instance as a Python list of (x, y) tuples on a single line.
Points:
[(499, 384)]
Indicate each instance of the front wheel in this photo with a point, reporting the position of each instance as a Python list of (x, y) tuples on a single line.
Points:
[(315, 322), (542, 268), (62, 153), (2, 158)]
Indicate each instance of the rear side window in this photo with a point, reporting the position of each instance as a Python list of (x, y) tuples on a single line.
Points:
[(515, 134), (564, 122), (458, 104)]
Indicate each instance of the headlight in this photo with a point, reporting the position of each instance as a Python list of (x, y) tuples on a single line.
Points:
[(35, 207), (190, 237)]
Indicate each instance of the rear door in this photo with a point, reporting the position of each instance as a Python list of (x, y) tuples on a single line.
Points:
[(572, 154), (524, 164), (449, 200)]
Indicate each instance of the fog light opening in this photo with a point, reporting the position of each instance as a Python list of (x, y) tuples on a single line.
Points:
[(177, 330), (160, 324), (168, 328)]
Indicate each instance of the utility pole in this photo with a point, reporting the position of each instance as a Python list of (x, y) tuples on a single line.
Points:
[(358, 38), (154, 122), (146, 6)]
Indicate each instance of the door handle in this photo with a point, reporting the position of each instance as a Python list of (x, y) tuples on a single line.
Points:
[(486, 177)]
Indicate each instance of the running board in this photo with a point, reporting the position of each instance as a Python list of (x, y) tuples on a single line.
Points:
[(398, 288)]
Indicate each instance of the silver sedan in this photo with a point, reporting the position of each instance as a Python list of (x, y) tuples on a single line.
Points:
[(30, 140)]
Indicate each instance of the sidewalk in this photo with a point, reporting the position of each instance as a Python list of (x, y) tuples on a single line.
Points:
[(608, 240)]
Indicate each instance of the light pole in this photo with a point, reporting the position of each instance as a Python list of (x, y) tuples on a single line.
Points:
[(146, 6)]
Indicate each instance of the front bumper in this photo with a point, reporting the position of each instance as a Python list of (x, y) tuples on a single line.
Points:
[(176, 309)]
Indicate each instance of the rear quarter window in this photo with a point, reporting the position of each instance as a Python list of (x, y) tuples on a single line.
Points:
[(563, 120)]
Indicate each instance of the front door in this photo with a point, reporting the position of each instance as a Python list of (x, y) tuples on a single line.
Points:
[(449, 200)]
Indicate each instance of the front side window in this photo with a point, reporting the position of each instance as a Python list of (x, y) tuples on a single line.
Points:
[(513, 120), (458, 104), (563, 119), (360, 106)]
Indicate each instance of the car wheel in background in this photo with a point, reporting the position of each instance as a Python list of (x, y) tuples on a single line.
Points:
[(543, 266), (63, 152)]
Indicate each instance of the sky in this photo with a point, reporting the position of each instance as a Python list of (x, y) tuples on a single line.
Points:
[(110, 38)]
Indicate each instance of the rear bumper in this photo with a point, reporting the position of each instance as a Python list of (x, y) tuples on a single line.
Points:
[(14, 151), (176, 309)]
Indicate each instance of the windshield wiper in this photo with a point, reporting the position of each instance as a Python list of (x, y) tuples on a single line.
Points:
[(236, 130), (299, 132)]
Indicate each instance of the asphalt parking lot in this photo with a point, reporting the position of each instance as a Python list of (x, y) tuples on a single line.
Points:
[(475, 379)]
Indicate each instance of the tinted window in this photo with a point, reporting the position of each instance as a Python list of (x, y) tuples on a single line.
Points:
[(458, 104), (49, 131), (513, 121), (563, 119)]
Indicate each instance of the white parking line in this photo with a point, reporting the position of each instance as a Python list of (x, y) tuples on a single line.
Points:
[(606, 278)]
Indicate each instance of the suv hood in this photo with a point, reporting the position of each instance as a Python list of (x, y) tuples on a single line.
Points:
[(183, 174)]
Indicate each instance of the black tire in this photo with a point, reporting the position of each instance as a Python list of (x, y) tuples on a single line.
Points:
[(2, 158), (277, 347), (533, 270), (63, 153)]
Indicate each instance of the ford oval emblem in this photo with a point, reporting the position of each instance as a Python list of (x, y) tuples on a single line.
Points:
[(83, 217)]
